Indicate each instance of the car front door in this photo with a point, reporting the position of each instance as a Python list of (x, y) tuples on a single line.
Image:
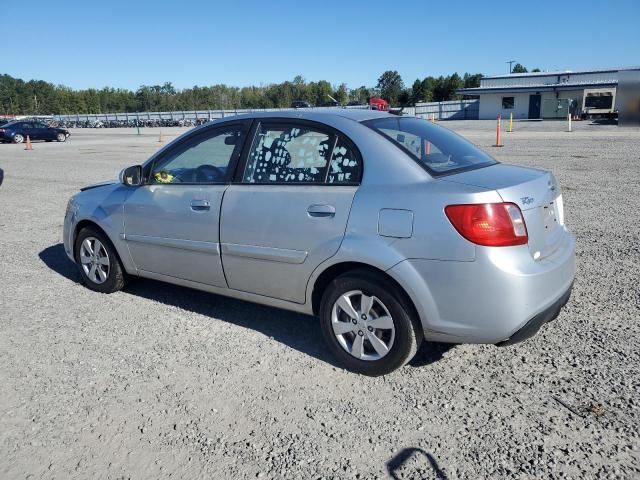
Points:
[(288, 210), (41, 131), (172, 221)]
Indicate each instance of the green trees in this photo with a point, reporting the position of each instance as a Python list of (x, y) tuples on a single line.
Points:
[(360, 95), (42, 98), (341, 94), (517, 68), (442, 89), (391, 86), (36, 97)]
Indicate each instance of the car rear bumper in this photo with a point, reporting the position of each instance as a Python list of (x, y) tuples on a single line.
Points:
[(490, 299), (533, 326)]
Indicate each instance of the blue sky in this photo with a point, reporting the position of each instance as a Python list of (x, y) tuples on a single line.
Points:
[(125, 44)]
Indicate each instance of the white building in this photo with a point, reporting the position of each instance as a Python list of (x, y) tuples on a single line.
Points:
[(547, 94)]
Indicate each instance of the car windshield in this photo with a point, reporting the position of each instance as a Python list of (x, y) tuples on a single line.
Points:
[(436, 148)]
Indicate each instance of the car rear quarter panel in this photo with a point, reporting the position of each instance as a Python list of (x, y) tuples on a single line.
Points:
[(393, 181)]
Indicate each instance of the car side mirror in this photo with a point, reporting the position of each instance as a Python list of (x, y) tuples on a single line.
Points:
[(131, 176)]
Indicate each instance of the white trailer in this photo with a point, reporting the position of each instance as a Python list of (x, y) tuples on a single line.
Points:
[(599, 102)]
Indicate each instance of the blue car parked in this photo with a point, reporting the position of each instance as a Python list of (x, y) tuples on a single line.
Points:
[(17, 132)]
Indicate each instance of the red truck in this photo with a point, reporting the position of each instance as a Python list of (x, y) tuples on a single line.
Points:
[(376, 103)]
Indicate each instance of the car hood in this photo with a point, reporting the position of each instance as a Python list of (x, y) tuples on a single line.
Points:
[(99, 184)]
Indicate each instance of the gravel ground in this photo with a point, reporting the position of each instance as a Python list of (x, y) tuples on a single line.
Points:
[(159, 381)]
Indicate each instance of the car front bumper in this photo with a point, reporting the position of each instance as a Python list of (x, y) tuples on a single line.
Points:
[(68, 229)]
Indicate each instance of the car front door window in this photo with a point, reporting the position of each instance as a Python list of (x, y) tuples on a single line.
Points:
[(205, 161)]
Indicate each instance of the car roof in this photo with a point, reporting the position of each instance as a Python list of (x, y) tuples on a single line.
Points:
[(318, 114)]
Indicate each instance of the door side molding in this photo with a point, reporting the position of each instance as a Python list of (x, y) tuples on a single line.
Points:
[(282, 255), (193, 245)]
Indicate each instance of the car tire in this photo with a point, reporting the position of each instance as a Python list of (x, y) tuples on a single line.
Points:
[(397, 338), (18, 138), (98, 262), (61, 137)]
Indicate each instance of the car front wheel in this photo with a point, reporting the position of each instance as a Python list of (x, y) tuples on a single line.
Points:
[(18, 138), (98, 262), (61, 137), (368, 324)]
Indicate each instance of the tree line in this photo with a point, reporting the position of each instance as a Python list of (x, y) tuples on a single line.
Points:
[(37, 97)]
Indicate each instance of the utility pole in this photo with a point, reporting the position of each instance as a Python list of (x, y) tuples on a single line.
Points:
[(510, 62)]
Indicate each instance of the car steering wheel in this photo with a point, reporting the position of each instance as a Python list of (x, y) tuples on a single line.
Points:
[(203, 176)]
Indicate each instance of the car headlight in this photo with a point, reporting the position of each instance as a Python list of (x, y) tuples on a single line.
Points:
[(72, 206)]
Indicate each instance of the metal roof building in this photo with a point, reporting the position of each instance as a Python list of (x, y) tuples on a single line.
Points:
[(547, 94)]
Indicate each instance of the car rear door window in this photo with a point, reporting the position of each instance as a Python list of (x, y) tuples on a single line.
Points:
[(288, 154), (345, 167)]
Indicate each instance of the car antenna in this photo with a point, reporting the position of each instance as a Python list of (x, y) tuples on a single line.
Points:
[(399, 112)]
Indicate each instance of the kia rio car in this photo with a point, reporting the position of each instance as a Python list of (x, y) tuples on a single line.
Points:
[(390, 229)]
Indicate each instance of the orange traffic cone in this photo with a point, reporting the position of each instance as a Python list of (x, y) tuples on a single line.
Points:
[(498, 144), (28, 146), (161, 139)]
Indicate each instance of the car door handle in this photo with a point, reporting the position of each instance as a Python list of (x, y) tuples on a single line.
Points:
[(200, 205), (321, 211)]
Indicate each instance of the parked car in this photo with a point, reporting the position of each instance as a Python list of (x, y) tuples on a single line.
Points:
[(390, 229), (300, 104), (17, 132)]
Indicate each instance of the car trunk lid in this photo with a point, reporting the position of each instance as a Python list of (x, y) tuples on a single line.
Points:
[(537, 194)]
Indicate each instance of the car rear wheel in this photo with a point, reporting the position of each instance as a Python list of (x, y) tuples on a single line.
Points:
[(368, 324), (98, 262), (61, 137), (18, 138)]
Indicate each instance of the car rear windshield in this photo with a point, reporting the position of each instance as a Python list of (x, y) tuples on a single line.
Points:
[(437, 149)]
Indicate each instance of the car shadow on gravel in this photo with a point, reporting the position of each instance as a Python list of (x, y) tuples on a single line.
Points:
[(298, 331)]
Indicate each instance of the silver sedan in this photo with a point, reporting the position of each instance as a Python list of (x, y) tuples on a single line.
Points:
[(389, 228)]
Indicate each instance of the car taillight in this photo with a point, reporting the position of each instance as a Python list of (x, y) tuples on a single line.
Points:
[(489, 224), (1, 130)]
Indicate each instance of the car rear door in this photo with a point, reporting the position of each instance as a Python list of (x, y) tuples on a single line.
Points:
[(27, 129), (172, 221), (288, 210)]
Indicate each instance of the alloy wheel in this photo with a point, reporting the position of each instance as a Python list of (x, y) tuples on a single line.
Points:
[(362, 325), (94, 259)]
